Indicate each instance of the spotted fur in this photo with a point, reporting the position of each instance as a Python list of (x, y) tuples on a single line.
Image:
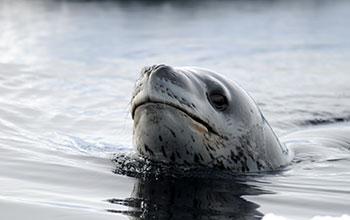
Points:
[(174, 122)]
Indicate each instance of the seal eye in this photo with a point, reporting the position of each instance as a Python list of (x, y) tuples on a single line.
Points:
[(218, 101)]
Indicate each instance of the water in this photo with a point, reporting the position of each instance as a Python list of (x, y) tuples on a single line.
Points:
[(67, 70)]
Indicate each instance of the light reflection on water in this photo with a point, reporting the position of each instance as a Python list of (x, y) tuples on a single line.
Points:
[(67, 72)]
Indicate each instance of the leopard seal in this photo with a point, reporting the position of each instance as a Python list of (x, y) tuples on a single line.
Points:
[(193, 116)]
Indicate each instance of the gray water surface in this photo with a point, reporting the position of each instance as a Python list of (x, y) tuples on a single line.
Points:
[(67, 71)]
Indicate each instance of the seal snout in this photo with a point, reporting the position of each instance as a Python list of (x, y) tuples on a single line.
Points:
[(148, 70), (164, 73), (160, 84)]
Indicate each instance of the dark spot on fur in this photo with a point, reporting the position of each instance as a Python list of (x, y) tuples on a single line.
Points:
[(178, 155), (200, 155), (259, 165), (140, 149), (147, 149), (172, 157), (196, 158), (193, 139), (172, 132), (234, 157), (163, 151), (211, 156), (220, 165), (210, 147), (160, 138)]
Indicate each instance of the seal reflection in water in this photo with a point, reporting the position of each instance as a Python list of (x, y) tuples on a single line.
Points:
[(192, 116), (189, 198)]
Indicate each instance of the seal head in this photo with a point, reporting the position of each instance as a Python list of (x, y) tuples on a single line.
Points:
[(192, 116)]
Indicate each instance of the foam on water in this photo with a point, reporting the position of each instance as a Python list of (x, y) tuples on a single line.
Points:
[(271, 216)]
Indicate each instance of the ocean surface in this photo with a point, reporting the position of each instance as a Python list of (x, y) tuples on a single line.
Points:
[(67, 71)]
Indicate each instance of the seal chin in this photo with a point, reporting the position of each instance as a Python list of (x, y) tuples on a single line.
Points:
[(167, 134), (195, 121)]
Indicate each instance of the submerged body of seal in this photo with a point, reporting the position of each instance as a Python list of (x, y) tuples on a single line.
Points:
[(193, 116)]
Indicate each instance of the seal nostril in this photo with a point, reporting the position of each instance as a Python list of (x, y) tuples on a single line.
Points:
[(161, 70), (146, 71), (167, 74), (156, 67)]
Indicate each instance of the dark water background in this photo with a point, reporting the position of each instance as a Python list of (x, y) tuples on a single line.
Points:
[(67, 70)]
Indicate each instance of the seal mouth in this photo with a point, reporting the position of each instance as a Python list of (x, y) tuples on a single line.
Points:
[(190, 115)]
